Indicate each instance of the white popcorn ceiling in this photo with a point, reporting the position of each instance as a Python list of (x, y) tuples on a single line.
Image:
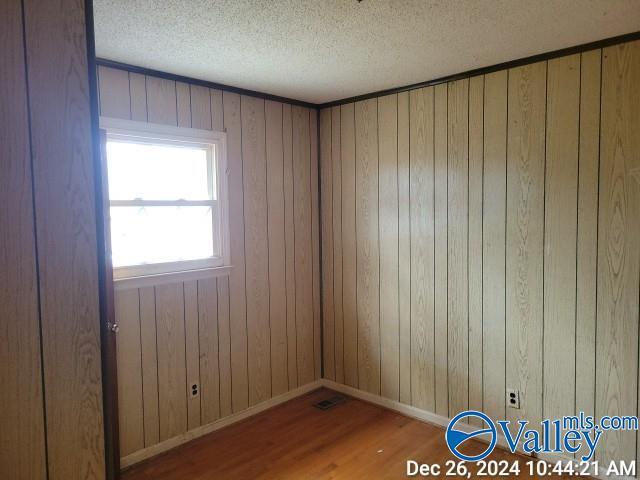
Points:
[(323, 50)]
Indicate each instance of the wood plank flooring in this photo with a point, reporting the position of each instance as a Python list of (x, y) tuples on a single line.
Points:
[(295, 440)]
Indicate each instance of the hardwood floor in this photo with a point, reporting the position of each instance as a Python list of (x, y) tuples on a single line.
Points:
[(298, 441)]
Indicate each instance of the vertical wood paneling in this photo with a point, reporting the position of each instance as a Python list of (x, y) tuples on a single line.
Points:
[(326, 217), (525, 225), (289, 239), (131, 421), (237, 286), (404, 249), (200, 107), (349, 248), (440, 167), (183, 104), (192, 352), (65, 199), (458, 245), (161, 101), (114, 93), (209, 349), (276, 230), (172, 381), (22, 436), (561, 203), (217, 110), (303, 244), (315, 242), (336, 164), (422, 247), (476, 164), (388, 218), (224, 345), (148, 345), (618, 246), (587, 245), (138, 94), (367, 236), (254, 167), (494, 222)]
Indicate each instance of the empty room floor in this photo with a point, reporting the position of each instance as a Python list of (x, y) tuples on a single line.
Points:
[(296, 440)]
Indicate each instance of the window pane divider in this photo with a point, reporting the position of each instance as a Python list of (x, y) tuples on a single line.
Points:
[(162, 203)]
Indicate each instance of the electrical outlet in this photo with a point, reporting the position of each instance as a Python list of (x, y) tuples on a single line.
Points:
[(513, 398), (195, 390)]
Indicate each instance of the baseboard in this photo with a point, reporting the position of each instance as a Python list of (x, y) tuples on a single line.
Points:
[(437, 420), (162, 447)]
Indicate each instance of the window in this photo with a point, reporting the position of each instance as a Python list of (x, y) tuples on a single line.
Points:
[(167, 195)]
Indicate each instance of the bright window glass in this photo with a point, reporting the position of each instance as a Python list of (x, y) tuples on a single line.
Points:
[(164, 206)]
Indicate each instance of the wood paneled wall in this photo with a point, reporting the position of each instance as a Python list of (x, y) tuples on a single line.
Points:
[(242, 338), (484, 234), (50, 362)]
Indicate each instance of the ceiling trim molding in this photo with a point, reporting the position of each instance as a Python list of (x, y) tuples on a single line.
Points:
[(607, 42), (204, 83)]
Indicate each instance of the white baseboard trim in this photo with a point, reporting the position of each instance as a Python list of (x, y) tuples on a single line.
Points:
[(162, 447), (437, 420)]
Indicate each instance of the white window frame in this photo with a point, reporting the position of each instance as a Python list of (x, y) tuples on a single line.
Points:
[(167, 134)]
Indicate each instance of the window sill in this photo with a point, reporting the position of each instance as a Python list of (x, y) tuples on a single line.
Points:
[(173, 277)]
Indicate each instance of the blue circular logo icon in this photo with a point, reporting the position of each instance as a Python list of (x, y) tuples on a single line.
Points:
[(456, 437)]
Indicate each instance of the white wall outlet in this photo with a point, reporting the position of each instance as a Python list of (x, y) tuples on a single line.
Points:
[(513, 398)]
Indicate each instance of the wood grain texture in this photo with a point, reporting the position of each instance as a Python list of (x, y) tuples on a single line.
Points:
[(114, 93), (561, 203), (200, 107), (336, 164), (440, 173), (161, 101), (131, 417), (458, 245), (149, 359), (209, 361), (525, 226), (326, 229), (303, 244), (138, 94), (421, 108), (289, 239), (217, 110), (237, 285), (404, 249), (172, 380), (224, 345), (476, 165), (349, 247), (367, 238), (388, 233), (494, 220), (315, 242), (618, 247), (22, 436), (256, 241), (277, 248), (192, 353), (356, 440), (183, 104), (587, 244), (65, 200)]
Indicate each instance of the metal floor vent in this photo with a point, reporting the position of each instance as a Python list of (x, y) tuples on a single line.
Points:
[(329, 402)]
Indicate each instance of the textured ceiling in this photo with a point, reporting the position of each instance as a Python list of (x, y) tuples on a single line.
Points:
[(322, 50)]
